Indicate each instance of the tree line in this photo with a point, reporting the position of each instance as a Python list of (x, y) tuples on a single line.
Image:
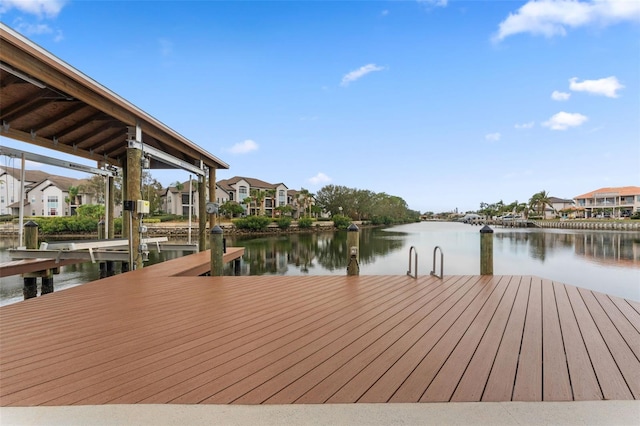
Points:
[(362, 204), (536, 205)]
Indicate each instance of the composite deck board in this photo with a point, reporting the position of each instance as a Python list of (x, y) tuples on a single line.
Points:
[(556, 385), (500, 383), (163, 335), (528, 385)]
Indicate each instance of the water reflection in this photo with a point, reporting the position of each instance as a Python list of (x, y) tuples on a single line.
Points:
[(612, 248), (319, 253)]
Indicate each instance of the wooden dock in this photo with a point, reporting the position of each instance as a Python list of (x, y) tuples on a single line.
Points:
[(162, 334)]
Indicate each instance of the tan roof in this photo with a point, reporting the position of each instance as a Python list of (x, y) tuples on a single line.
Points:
[(612, 192), (29, 175), (253, 183)]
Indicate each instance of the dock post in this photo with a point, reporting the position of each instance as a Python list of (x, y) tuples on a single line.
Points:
[(486, 250), (103, 270), (111, 268), (47, 284), (353, 250), (101, 236), (29, 281), (217, 251)]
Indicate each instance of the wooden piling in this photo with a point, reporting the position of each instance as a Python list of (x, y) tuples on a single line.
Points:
[(217, 251), (353, 250), (30, 281), (486, 250)]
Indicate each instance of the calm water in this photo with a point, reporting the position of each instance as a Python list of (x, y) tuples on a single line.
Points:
[(606, 261)]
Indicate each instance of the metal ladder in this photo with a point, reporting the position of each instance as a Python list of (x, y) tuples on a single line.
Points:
[(415, 260), (433, 272), (415, 256)]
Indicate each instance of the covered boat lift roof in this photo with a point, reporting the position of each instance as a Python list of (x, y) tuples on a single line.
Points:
[(46, 102)]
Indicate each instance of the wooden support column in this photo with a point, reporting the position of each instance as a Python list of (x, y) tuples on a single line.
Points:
[(134, 176), (212, 195), (112, 206), (202, 213)]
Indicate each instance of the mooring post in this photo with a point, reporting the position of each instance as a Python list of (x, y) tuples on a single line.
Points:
[(486, 250), (111, 268), (30, 281), (353, 250), (101, 236), (217, 251)]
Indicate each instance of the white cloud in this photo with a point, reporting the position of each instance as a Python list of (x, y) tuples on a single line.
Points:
[(564, 120), (319, 179), (493, 137), (384, 12), (244, 147), (552, 17), (359, 73), (40, 8), (437, 3), (560, 96), (605, 86), (528, 125)]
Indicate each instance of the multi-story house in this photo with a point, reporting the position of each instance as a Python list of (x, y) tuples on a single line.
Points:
[(176, 200), (270, 196), (610, 202), (559, 206), (52, 196), (10, 186)]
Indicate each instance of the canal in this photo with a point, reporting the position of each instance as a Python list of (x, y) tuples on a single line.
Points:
[(606, 261)]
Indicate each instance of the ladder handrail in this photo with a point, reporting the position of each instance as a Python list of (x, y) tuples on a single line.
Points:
[(435, 249), (415, 255)]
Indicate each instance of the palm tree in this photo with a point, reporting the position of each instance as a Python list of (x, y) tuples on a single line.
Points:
[(271, 193), (539, 201), (248, 201), (306, 197), (258, 196)]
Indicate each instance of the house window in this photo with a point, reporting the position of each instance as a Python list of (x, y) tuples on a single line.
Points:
[(242, 193), (281, 197), (185, 199), (268, 203), (52, 205), (231, 196), (1, 199)]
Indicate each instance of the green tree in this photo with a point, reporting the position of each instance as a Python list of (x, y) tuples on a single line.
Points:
[(539, 201), (258, 196), (231, 209)]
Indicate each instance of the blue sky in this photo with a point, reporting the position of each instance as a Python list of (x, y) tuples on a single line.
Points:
[(444, 103)]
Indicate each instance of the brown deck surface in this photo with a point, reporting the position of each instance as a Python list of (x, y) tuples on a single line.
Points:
[(148, 337)]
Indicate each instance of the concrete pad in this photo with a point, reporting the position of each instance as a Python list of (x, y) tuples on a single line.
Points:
[(475, 413)]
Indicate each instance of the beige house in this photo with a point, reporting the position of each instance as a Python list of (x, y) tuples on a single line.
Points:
[(610, 202), (559, 207), (176, 199), (10, 186), (51, 195), (238, 188)]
